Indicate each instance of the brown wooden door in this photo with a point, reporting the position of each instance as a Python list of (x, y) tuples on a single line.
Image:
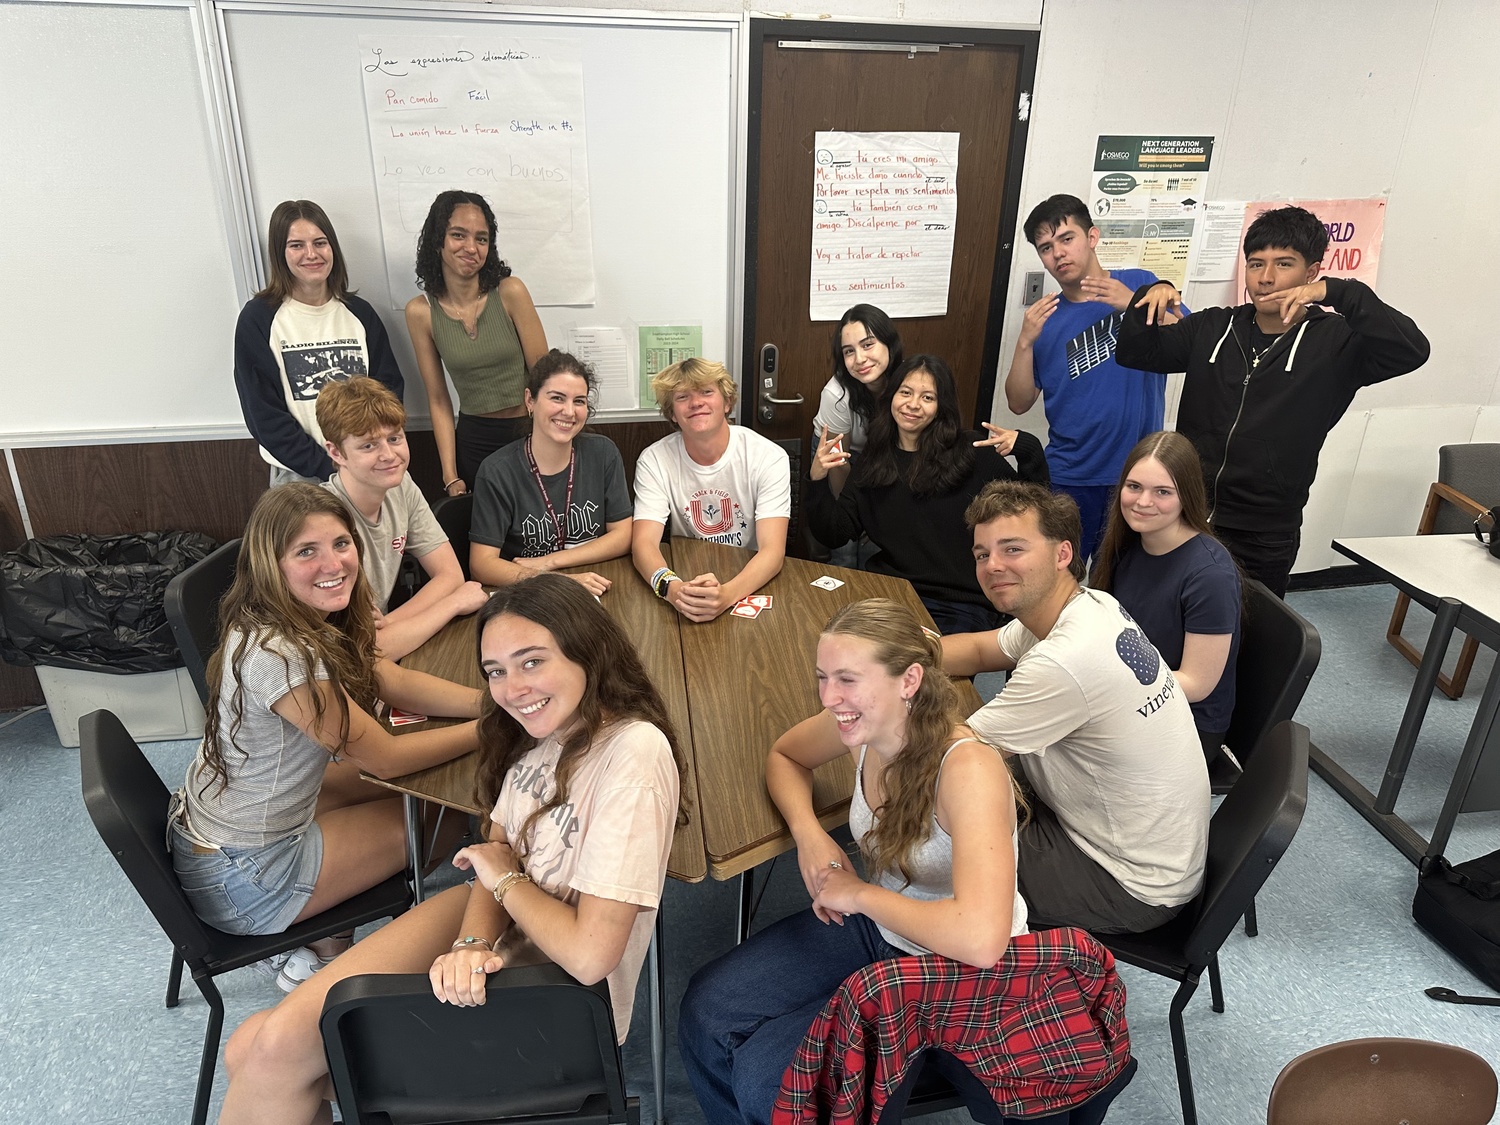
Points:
[(971, 89)]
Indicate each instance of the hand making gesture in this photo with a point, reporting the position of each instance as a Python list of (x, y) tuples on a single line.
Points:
[(1001, 440), (1036, 315), (830, 454), (1163, 304), (1114, 293), (1291, 300)]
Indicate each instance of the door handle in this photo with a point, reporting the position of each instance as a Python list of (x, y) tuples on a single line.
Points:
[(770, 371)]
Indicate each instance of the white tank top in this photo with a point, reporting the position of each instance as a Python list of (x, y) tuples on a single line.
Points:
[(931, 861)]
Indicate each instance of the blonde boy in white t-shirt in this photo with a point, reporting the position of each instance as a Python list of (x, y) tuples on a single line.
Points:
[(711, 481)]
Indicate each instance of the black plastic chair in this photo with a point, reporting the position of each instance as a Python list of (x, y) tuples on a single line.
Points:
[(192, 606), (944, 1083), (541, 1049), (1279, 652), (128, 804), (794, 543), (453, 514), (1250, 832)]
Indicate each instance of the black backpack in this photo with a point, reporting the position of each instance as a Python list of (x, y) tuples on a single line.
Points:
[(1459, 905)]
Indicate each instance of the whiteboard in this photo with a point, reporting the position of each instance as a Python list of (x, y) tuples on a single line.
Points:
[(660, 103), (120, 289)]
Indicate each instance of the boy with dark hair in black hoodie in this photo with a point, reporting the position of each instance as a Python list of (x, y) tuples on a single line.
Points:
[(1267, 380)]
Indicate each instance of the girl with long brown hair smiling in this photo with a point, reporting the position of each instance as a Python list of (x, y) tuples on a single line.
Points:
[(580, 764), (934, 814), (273, 823), (1160, 560)]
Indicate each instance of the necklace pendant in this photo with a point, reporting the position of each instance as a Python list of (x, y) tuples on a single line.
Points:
[(1255, 362)]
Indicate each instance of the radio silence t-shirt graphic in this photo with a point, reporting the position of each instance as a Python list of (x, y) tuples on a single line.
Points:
[(309, 366)]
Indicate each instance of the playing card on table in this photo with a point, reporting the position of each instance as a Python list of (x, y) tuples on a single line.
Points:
[(827, 582), (743, 608), (400, 718), (762, 600)]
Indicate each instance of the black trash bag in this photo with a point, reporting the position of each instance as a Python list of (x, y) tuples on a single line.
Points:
[(94, 602)]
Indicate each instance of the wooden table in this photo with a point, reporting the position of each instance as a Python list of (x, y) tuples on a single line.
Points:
[(748, 681), (732, 686), (648, 621), (1459, 581)]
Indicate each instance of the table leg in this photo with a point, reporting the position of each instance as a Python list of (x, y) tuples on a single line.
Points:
[(658, 985), (1445, 617), (746, 905), (412, 807), (1468, 763)]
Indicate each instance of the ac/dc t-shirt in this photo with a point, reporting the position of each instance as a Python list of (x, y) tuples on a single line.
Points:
[(509, 512)]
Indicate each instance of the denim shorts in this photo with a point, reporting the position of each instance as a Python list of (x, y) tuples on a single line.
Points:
[(256, 890)]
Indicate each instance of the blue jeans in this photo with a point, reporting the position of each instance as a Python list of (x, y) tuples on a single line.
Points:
[(961, 617), (1093, 511), (258, 890), (743, 1016)]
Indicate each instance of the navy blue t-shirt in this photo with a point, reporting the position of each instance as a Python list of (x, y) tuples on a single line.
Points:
[(1193, 588)]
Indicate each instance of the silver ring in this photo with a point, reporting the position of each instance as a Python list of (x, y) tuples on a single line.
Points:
[(835, 863), (477, 969)]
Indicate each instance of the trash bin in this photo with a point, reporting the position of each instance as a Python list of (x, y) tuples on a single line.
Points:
[(86, 611)]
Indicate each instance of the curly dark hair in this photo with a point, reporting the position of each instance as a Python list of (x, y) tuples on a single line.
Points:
[(616, 688), (430, 244)]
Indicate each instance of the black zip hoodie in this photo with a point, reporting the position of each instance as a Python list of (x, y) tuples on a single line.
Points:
[(1259, 427)]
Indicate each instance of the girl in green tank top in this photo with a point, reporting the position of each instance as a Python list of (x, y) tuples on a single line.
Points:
[(477, 321)]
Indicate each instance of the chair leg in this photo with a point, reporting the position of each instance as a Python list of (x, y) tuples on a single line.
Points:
[(1460, 678), (658, 985), (746, 905), (1252, 926), (210, 1058), (1180, 1051), (174, 979), (1215, 985)]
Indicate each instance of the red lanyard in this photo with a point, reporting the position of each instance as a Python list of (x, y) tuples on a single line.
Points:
[(560, 524)]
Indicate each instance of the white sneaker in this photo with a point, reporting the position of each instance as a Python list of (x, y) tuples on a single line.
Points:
[(300, 965), (271, 966)]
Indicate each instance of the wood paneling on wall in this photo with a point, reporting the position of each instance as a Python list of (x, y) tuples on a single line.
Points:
[(207, 486)]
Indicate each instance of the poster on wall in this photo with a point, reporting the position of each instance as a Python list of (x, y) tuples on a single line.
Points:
[(1146, 198), (1355, 230), (884, 207), (502, 118)]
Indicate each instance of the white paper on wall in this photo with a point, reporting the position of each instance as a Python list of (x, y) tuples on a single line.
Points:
[(499, 117), (883, 211)]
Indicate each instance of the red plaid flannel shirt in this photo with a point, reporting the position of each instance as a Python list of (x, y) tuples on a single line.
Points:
[(1044, 1030)]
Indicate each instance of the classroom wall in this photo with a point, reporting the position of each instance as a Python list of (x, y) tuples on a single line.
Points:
[(1352, 98), (1359, 98)]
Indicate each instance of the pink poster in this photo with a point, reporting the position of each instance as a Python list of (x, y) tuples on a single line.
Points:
[(1355, 229)]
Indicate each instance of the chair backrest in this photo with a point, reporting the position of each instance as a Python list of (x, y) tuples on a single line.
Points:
[(1474, 470), (1410, 1080), (453, 515), (1249, 833), (127, 802), (793, 447), (192, 606), (541, 1047), (1279, 652)]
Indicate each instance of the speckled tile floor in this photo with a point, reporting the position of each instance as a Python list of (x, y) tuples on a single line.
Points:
[(85, 1040)]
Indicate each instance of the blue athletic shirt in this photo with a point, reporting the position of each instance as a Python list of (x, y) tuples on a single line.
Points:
[(1096, 409)]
